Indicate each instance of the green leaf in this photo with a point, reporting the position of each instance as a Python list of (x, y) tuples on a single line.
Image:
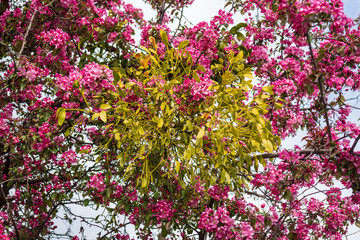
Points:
[(61, 117), (222, 176), (196, 77), (309, 89), (116, 76), (189, 125), (58, 111), (144, 182), (240, 55), (249, 75), (103, 116), (235, 31), (240, 36), (81, 43), (268, 145), (141, 130), (162, 106), (164, 37), (86, 202), (160, 123), (201, 133), (67, 132), (256, 164), (268, 90), (236, 28), (177, 167), (84, 151), (105, 106), (287, 194), (94, 116), (225, 176), (341, 100), (219, 162), (262, 161), (142, 149), (201, 68), (183, 44), (181, 183), (117, 136), (76, 84), (274, 6), (129, 84), (278, 105), (241, 25), (311, 36), (357, 223)]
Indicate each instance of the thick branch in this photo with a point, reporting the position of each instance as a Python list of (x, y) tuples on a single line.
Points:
[(42, 225), (354, 144), (4, 187), (321, 88), (10, 212), (161, 13), (301, 152)]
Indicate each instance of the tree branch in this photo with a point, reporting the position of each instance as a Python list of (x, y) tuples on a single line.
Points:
[(321, 88), (4, 188), (10, 212), (301, 152), (354, 144), (29, 27), (37, 233)]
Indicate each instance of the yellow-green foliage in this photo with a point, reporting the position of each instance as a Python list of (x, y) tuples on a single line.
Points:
[(157, 139)]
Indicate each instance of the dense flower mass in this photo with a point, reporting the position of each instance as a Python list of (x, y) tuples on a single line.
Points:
[(170, 139)]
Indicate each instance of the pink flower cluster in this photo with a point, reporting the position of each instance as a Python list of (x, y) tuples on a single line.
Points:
[(163, 210), (198, 90), (3, 236), (222, 226), (219, 193), (97, 182), (69, 157), (93, 77), (57, 37)]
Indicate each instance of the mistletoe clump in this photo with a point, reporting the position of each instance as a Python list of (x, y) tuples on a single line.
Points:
[(175, 137)]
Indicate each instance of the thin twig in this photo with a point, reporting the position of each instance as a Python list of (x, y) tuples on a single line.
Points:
[(29, 27), (75, 45), (332, 39), (354, 144), (178, 27), (256, 194)]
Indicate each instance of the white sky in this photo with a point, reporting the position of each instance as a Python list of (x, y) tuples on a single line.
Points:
[(204, 10)]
